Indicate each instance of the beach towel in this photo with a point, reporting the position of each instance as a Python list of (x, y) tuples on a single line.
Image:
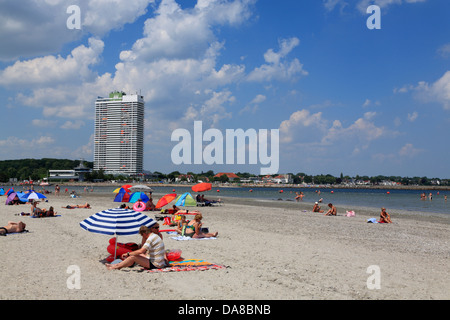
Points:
[(58, 215), (372, 220), (11, 233), (183, 238), (189, 265)]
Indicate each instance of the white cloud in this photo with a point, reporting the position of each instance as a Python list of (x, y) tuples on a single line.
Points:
[(27, 147), (42, 123), (29, 28), (51, 70), (439, 91), (73, 125), (364, 4), (413, 116), (361, 132), (276, 68), (101, 16), (259, 99), (369, 115), (408, 150), (299, 123), (303, 127), (444, 51)]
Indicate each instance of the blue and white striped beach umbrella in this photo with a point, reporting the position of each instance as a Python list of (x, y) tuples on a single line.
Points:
[(118, 222)]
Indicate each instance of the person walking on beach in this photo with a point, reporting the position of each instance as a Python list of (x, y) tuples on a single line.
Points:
[(384, 216), (152, 255)]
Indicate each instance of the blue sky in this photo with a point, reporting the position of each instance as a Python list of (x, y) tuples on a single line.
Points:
[(343, 97)]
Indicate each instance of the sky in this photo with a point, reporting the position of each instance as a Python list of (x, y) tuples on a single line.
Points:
[(345, 98)]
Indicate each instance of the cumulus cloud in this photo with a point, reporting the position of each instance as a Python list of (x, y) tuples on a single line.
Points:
[(174, 65), (439, 91), (276, 68), (315, 134), (408, 150), (50, 70), (299, 123), (30, 28)]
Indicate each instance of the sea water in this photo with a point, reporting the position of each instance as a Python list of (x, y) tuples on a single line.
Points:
[(392, 199)]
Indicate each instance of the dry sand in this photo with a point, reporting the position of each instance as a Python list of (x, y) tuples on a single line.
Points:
[(274, 251)]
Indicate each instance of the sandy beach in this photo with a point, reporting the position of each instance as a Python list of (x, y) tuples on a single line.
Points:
[(274, 250)]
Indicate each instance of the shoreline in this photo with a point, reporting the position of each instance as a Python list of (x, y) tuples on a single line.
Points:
[(275, 186)]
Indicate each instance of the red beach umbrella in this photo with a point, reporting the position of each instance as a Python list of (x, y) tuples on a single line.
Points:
[(165, 200), (200, 187)]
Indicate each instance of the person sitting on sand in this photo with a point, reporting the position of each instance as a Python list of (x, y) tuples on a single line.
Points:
[(150, 206), (152, 255), (181, 225), (316, 207), (12, 227), (16, 201), (37, 212), (193, 229), (384, 216), (51, 212), (332, 211)]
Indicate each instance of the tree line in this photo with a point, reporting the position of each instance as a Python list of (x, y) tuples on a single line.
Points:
[(37, 169)]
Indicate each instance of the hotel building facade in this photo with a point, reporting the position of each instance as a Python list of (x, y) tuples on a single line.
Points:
[(119, 134)]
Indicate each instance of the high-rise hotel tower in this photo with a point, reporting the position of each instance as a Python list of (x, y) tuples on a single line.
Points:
[(119, 134)]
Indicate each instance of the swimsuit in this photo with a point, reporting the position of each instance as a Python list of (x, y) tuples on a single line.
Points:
[(190, 235)]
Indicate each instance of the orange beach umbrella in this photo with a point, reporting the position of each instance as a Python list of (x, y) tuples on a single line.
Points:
[(165, 200), (200, 187)]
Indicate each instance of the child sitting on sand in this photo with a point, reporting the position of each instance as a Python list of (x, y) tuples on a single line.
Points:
[(332, 211)]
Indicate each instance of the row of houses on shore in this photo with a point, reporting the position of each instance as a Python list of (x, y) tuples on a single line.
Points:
[(232, 177)]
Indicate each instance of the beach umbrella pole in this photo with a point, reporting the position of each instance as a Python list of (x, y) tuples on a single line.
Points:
[(115, 252)]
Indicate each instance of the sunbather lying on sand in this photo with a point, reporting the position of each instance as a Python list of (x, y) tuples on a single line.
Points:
[(86, 206), (12, 227)]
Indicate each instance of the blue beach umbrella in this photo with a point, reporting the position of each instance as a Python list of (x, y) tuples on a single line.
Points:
[(117, 221), (33, 195), (138, 195), (122, 196)]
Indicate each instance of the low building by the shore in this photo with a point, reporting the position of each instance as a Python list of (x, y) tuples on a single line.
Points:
[(75, 174)]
